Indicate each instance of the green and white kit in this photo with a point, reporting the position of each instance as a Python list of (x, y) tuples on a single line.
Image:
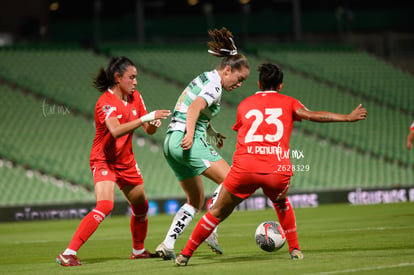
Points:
[(193, 162)]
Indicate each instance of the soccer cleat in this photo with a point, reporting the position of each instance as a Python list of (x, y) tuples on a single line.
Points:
[(181, 260), (296, 254), (144, 255), (212, 242), (165, 253), (68, 260)]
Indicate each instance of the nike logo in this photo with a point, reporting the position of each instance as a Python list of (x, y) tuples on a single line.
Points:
[(282, 232), (266, 226), (66, 261)]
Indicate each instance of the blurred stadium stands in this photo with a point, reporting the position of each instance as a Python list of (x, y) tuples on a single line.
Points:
[(48, 106)]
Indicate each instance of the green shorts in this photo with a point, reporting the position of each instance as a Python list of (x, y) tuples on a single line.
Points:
[(189, 163)]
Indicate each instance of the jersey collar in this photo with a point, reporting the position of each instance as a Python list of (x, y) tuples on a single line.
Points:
[(266, 92), (124, 100)]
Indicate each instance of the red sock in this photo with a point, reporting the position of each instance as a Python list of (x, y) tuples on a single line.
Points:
[(90, 223), (287, 220), (139, 225), (201, 232)]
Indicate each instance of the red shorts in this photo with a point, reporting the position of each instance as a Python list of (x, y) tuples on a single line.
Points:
[(103, 171), (243, 185)]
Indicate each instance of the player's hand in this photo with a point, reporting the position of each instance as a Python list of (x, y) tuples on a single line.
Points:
[(157, 123), (187, 141), (220, 140), (158, 114), (359, 113), (162, 114)]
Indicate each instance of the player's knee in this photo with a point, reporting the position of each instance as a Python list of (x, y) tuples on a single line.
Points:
[(281, 203), (140, 210), (103, 208), (196, 201)]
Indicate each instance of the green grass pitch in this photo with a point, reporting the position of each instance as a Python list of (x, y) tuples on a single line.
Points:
[(335, 239)]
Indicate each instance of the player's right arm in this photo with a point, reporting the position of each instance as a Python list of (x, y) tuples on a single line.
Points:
[(359, 113), (193, 113)]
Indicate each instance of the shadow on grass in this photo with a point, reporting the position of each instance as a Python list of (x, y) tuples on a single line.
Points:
[(107, 259), (240, 259)]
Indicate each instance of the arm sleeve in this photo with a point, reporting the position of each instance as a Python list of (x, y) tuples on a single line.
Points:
[(210, 93), (296, 104), (105, 110)]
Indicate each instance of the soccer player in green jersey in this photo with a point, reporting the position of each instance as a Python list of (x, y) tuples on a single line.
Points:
[(185, 147)]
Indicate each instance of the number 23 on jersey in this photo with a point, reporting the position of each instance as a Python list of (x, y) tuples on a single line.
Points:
[(270, 116)]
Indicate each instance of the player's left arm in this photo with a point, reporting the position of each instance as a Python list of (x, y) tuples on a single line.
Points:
[(359, 113)]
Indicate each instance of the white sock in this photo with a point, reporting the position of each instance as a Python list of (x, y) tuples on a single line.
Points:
[(69, 252), (137, 252), (182, 219)]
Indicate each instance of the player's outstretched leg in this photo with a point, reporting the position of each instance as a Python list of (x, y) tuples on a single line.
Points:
[(287, 220), (86, 228), (200, 233)]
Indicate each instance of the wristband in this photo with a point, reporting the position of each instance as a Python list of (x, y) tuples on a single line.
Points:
[(148, 117)]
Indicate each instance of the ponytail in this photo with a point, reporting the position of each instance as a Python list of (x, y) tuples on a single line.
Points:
[(101, 82), (222, 45), (105, 79)]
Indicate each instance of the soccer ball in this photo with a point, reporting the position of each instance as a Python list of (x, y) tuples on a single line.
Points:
[(270, 236)]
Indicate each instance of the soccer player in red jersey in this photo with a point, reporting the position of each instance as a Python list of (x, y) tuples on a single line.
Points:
[(410, 137), (118, 112), (264, 124)]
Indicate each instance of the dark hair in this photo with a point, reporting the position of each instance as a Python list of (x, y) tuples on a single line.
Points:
[(222, 45), (106, 78), (270, 76)]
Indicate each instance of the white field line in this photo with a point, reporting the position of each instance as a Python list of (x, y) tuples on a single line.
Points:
[(362, 269), (378, 228)]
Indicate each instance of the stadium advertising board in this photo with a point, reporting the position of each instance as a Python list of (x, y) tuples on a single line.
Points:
[(170, 206)]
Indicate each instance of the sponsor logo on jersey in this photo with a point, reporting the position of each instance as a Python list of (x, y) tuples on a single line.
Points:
[(204, 79), (106, 109), (209, 94), (134, 112)]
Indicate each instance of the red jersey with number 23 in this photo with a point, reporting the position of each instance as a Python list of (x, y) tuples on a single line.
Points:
[(106, 148), (264, 124)]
